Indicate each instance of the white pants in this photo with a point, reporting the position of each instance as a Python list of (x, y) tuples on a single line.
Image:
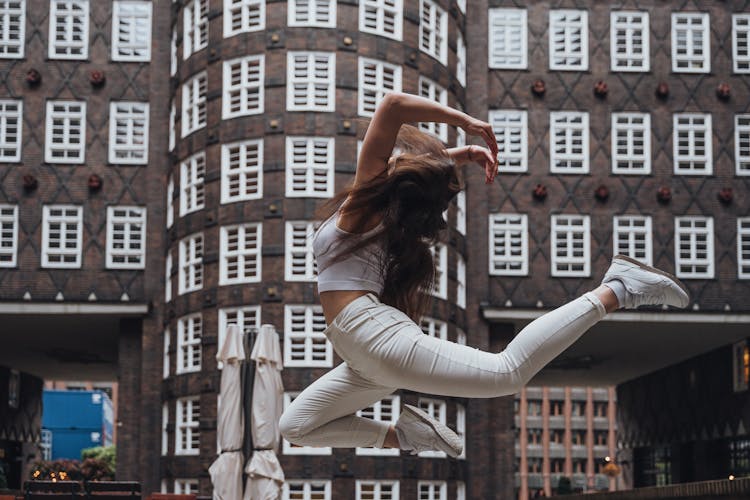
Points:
[(384, 350)]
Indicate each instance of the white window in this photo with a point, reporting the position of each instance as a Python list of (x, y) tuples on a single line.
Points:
[(629, 41), (128, 132), (569, 143), (509, 245), (568, 40), (433, 30), (694, 247), (742, 144), (191, 264), (431, 90), (62, 236), (440, 256), (187, 431), (11, 130), (8, 235), (66, 132), (320, 13), (186, 486), (461, 59), (461, 212), (194, 103), (434, 327), (436, 408), (173, 53), (164, 434), (381, 17), (692, 147), (240, 254), (189, 334), (460, 336), (192, 187), (299, 259), (168, 264), (432, 490), (126, 237), (511, 133), (172, 124), (570, 245), (461, 427), (242, 171), (376, 78), (460, 282), (631, 143), (632, 237), (741, 42), (245, 317), (13, 22), (311, 81), (460, 490), (241, 16), (131, 31), (293, 449), (165, 358), (376, 490), (508, 39), (170, 201), (743, 247), (307, 489), (309, 167), (304, 342), (243, 86), (195, 27), (386, 410), (69, 29), (690, 43)]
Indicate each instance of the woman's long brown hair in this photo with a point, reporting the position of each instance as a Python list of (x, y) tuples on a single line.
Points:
[(411, 201)]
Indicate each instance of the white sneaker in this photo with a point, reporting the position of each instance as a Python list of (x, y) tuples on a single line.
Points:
[(417, 431), (645, 284)]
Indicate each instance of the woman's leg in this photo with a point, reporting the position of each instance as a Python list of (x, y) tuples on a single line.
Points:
[(407, 358), (323, 414)]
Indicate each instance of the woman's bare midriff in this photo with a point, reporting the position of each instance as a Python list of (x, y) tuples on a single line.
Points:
[(335, 300)]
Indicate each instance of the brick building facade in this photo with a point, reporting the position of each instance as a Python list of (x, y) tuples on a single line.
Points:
[(219, 128)]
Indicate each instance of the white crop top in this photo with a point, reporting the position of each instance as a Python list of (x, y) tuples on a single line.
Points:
[(357, 271)]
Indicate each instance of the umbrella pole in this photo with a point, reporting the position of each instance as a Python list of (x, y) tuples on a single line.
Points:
[(248, 377)]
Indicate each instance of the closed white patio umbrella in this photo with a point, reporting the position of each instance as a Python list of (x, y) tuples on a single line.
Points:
[(226, 471), (265, 477)]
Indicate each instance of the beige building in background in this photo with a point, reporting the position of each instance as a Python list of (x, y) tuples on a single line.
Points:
[(563, 431)]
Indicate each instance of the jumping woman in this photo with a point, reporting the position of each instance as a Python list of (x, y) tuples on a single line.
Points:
[(375, 270)]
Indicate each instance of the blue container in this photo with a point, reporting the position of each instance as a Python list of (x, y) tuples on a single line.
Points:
[(76, 420)]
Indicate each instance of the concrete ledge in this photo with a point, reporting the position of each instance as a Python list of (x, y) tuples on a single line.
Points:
[(723, 489), (73, 308)]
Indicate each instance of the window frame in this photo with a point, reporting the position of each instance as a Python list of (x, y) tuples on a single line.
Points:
[(66, 116), (709, 261), (436, 32), (241, 171), (245, 7), (630, 130), (7, 44), (5, 117), (10, 252), (367, 92), (310, 263), (83, 47), (555, 260), (460, 281), (736, 59), (190, 270), (375, 493), (568, 128), (555, 16), (460, 58), (191, 426), (311, 83), (65, 219), (706, 45), (743, 239), (189, 343), (131, 118), (377, 411), (193, 183), (242, 254), (117, 17), (436, 490), (503, 222), (631, 234), (509, 125), (742, 144), (245, 90), (440, 255), (439, 94), (630, 26), (312, 170), (130, 220), (193, 24), (292, 20), (380, 9), (193, 102), (499, 19), (312, 336), (692, 130)]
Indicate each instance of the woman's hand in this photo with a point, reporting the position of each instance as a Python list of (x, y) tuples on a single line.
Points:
[(476, 154), (488, 159)]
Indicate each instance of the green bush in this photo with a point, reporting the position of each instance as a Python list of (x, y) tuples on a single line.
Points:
[(107, 454)]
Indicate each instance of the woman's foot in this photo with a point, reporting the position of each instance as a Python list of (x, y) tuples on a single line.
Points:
[(418, 432), (640, 284)]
